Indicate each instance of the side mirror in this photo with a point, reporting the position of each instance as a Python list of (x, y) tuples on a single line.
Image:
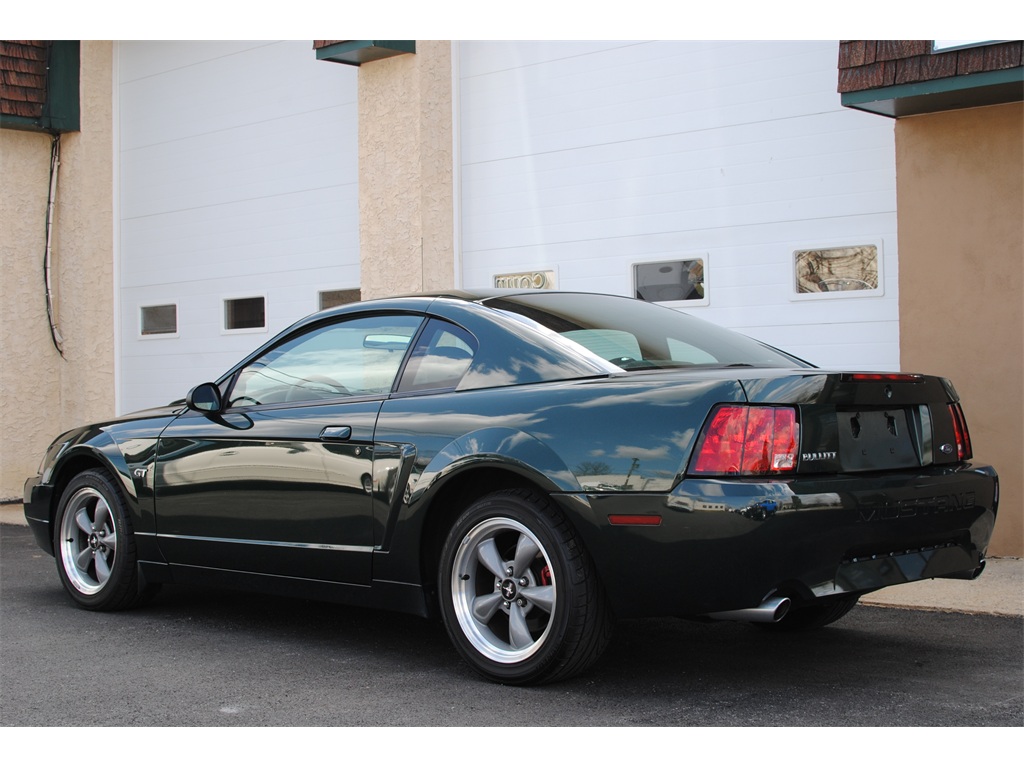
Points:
[(205, 398)]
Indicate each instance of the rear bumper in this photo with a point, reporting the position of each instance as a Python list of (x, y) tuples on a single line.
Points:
[(725, 544)]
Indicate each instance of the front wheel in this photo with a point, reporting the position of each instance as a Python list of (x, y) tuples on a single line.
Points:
[(94, 544), (519, 596)]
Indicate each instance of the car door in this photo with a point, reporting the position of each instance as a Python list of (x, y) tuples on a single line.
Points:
[(280, 481)]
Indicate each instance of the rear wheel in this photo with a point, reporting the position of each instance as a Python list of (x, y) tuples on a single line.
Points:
[(813, 616), (519, 595), (95, 545)]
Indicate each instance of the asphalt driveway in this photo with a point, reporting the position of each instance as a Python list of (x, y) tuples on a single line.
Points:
[(206, 658)]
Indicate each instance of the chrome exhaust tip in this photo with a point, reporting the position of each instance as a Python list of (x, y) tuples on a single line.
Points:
[(768, 612)]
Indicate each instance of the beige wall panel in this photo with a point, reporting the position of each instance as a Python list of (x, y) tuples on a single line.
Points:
[(405, 172), (961, 242), (28, 362), (437, 164), (42, 393)]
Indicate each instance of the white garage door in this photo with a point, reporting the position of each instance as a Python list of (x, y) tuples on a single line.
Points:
[(725, 175), (236, 199)]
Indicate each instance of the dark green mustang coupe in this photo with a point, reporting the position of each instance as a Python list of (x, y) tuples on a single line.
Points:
[(529, 466)]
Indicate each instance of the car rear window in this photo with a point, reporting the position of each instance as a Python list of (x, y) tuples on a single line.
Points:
[(636, 334)]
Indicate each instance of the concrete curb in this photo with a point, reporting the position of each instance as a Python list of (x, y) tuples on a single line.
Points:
[(12, 514), (998, 591)]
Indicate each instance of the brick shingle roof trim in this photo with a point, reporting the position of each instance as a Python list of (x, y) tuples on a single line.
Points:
[(868, 64), (23, 70)]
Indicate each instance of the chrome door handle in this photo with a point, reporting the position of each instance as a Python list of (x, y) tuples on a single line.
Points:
[(336, 433)]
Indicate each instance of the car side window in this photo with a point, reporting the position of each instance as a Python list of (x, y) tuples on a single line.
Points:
[(349, 358), (441, 358)]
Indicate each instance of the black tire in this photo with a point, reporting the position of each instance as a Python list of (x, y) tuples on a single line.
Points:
[(813, 617), (94, 545), (519, 594)]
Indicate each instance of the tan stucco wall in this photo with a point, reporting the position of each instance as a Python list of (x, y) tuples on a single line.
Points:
[(43, 394), (406, 200), (961, 243)]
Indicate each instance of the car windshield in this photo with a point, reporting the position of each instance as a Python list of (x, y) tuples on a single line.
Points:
[(636, 334)]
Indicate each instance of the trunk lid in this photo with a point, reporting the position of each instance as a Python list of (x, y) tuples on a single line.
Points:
[(865, 422)]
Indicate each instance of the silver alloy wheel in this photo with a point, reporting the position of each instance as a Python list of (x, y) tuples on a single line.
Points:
[(88, 541), (500, 597)]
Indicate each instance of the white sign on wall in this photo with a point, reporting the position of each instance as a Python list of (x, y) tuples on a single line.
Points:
[(536, 279)]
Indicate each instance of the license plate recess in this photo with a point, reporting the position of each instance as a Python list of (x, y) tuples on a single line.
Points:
[(871, 439)]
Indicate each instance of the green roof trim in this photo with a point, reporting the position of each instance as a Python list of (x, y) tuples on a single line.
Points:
[(980, 89), (359, 52), (62, 104)]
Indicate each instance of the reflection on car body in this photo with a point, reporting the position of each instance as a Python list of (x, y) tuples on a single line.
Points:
[(529, 467)]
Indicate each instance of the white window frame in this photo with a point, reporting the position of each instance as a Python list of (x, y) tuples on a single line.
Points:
[(224, 314), (154, 336), (795, 295), (320, 297), (704, 257)]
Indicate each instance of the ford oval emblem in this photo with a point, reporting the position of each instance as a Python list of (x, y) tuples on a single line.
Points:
[(946, 448)]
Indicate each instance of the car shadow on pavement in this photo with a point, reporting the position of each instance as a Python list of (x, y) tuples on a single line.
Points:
[(208, 657)]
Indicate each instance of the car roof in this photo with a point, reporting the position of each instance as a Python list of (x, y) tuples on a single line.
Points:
[(483, 294), (468, 295)]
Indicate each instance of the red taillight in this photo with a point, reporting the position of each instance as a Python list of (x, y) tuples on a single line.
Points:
[(963, 437), (748, 440)]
